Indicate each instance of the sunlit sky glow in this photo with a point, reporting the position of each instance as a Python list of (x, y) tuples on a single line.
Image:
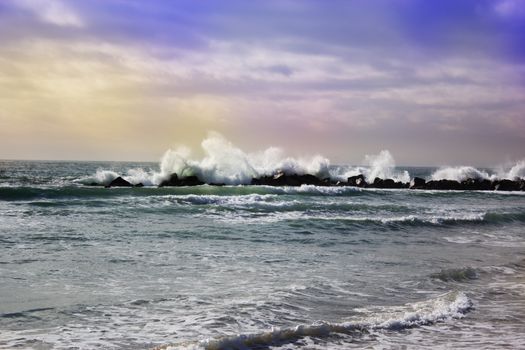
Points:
[(435, 82)]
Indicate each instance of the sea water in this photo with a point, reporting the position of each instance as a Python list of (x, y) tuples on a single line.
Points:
[(254, 267)]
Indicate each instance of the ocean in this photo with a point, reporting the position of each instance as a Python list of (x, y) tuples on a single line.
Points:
[(254, 267)]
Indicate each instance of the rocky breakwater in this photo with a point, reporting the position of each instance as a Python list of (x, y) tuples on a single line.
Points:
[(283, 179), (469, 185)]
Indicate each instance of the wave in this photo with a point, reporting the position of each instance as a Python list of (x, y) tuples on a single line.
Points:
[(444, 307), (456, 275), (52, 192), (462, 173), (295, 213), (224, 163)]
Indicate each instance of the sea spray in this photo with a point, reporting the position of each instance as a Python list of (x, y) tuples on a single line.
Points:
[(380, 165), (224, 163), (460, 173), (383, 166), (517, 171)]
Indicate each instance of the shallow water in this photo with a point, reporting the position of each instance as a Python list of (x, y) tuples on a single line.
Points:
[(247, 267)]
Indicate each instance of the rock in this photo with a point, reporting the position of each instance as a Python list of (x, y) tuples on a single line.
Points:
[(352, 180), (506, 185), (281, 179), (361, 182), (328, 182), (174, 180), (256, 182), (190, 181), (140, 184), (387, 183), (378, 183), (119, 182), (476, 185), (308, 179), (404, 184), (265, 181), (417, 183), (443, 185)]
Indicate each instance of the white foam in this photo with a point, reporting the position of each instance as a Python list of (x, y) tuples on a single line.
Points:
[(380, 165), (461, 173), (225, 163), (444, 307), (383, 166), (102, 177), (516, 172)]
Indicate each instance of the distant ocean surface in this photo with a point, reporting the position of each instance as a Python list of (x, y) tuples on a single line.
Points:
[(254, 267)]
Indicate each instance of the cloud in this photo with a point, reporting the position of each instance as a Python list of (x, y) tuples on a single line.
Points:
[(510, 8), (55, 12), (348, 75)]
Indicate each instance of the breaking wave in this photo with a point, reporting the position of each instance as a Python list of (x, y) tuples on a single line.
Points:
[(224, 163), (444, 307), (461, 173)]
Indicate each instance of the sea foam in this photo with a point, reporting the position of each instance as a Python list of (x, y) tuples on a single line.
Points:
[(446, 306)]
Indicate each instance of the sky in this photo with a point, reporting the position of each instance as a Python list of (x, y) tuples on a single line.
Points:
[(435, 82)]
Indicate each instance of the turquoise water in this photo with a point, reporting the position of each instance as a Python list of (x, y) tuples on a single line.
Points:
[(246, 267)]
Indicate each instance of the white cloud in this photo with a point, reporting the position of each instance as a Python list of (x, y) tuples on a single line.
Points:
[(509, 8), (52, 11)]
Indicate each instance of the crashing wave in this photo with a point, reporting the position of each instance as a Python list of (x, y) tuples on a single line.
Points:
[(224, 163), (447, 306)]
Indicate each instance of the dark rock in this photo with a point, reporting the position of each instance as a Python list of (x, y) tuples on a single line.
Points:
[(506, 185), (443, 185), (281, 179), (264, 180), (119, 182), (327, 182), (417, 183), (476, 185), (173, 180), (378, 183), (190, 181), (405, 184), (140, 184), (389, 183), (352, 180), (361, 182), (308, 179)]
